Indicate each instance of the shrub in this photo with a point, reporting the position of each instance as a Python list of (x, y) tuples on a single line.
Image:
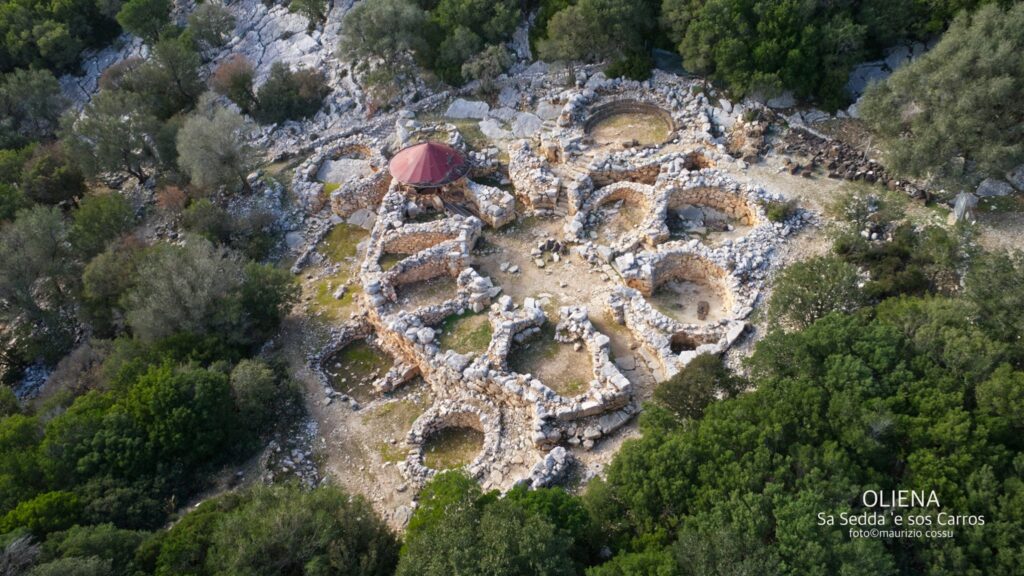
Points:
[(809, 290), (213, 149), (780, 210), (635, 66), (99, 220), (211, 25), (696, 386), (50, 178), (288, 95), (145, 18), (234, 79)]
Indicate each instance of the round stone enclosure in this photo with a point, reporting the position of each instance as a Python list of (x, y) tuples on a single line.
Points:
[(689, 288), (353, 368), (630, 121)]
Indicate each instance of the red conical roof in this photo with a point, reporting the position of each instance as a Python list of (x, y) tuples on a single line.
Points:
[(428, 165)]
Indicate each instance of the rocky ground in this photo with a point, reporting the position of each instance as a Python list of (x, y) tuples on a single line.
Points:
[(538, 261)]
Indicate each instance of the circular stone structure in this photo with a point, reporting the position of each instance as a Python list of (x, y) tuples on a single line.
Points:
[(600, 288), (630, 120), (428, 165)]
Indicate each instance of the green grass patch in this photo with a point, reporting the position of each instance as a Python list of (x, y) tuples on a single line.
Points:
[(324, 301), (389, 261), (997, 204), (330, 187), (353, 369), (340, 243), (392, 453), (466, 333), (452, 447)]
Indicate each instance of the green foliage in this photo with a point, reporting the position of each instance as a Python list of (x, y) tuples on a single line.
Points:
[(286, 530), (51, 34), (955, 105), (288, 95), (99, 220), (443, 39), (595, 30), (48, 512), (780, 210), (234, 79), (11, 200), (913, 261), (634, 66), (993, 287), (701, 382), (314, 10), (647, 563), (386, 30), (88, 566), (49, 178), (259, 393), (100, 541), (38, 280), (8, 402), (458, 530), (759, 46), (860, 400), (113, 135), (30, 106), (107, 278), (145, 18), (169, 81), (211, 25), (809, 290), (213, 149), (487, 66)]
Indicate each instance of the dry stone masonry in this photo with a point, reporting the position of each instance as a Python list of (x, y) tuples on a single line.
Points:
[(556, 171)]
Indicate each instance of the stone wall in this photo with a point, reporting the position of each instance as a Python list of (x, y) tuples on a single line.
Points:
[(736, 206)]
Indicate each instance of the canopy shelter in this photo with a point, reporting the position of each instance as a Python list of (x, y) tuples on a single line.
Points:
[(428, 165)]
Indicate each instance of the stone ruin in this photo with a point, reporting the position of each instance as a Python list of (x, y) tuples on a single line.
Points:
[(554, 175)]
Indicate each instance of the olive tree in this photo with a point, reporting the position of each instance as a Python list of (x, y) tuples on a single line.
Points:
[(213, 148), (114, 134)]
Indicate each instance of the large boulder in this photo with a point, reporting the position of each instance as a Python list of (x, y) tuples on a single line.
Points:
[(992, 187), (1016, 177), (526, 125), (462, 108)]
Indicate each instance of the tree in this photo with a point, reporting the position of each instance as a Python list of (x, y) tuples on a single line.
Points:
[(113, 134), (106, 280), (493, 536), (211, 25), (49, 178), (258, 393), (30, 106), (169, 82), (700, 383), (288, 95), (955, 106), (595, 30), (386, 30), (487, 66), (184, 289), (11, 200), (99, 220), (38, 280), (208, 220), (809, 290), (288, 530), (314, 10), (88, 566), (213, 149), (145, 18), (993, 290), (48, 512), (104, 541), (234, 78)]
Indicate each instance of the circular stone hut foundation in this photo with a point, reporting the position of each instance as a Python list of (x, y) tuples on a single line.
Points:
[(558, 179)]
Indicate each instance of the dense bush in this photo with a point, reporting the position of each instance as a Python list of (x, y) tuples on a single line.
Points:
[(442, 36), (214, 151), (458, 530), (145, 18), (30, 106), (814, 288), (596, 30), (704, 380), (290, 95), (52, 35), (950, 114), (853, 401), (761, 46)]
